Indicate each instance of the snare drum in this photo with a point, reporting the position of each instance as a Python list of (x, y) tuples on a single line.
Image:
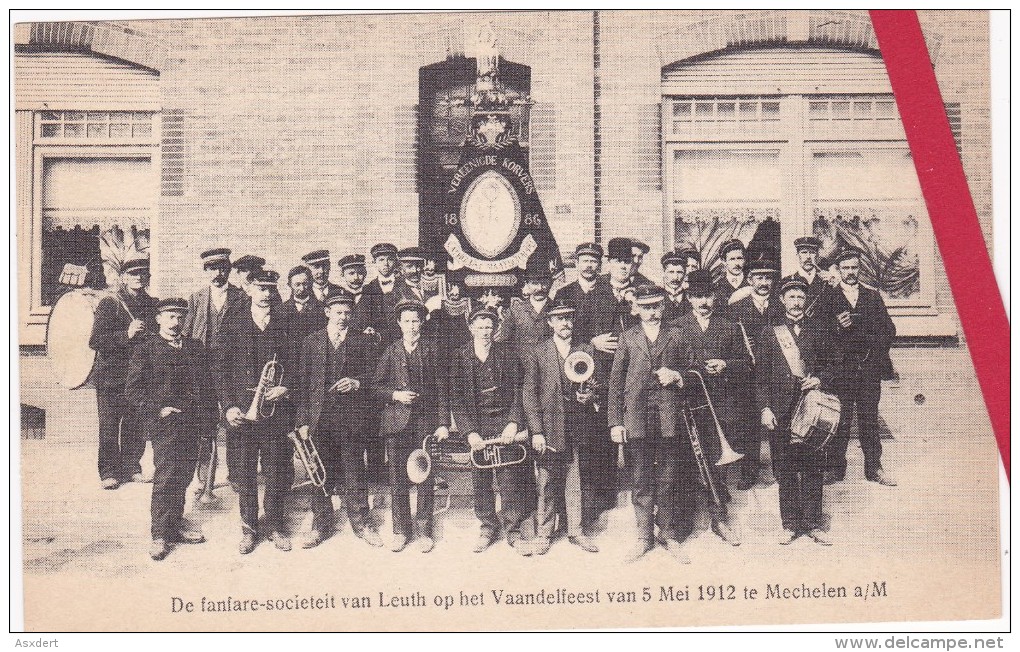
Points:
[(68, 334), (815, 419)]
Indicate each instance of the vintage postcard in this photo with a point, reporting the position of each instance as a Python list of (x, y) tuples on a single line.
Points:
[(493, 321)]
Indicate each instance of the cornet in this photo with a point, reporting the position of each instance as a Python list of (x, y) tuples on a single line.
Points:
[(272, 376)]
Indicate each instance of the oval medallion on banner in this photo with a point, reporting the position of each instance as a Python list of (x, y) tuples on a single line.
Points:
[(490, 214)]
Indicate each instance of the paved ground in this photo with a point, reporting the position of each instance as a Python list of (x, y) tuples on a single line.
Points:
[(943, 513)]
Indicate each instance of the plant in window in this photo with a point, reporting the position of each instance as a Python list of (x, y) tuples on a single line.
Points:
[(117, 247)]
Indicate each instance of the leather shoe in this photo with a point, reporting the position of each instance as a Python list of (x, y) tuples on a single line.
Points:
[(540, 545), (280, 540), (881, 478), (190, 536), (819, 537), (138, 477), (159, 549), (315, 537), (399, 542), (676, 550), (725, 532), (109, 483), (524, 547), (637, 551), (584, 543), (248, 543), (424, 544), (787, 537), (484, 541), (371, 537)]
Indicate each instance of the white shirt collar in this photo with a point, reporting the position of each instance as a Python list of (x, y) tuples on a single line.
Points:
[(810, 278), (735, 281), (702, 321), (260, 315), (651, 330), (411, 346), (336, 333), (562, 346), (586, 286), (761, 303), (482, 352), (851, 292), (537, 306)]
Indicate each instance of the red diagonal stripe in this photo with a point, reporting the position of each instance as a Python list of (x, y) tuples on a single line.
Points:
[(951, 209)]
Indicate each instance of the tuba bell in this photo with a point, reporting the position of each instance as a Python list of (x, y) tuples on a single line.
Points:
[(727, 454)]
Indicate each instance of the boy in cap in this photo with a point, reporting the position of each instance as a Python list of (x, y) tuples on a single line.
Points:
[(121, 322), (169, 384), (380, 291), (643, 415)]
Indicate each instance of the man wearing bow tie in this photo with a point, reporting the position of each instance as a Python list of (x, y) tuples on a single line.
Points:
[(168, 383), (381, 290)]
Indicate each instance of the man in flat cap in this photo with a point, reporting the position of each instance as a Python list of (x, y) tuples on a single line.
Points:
[(381, 289), (250, 343), (718, 353), (411, 382), (169, 383), (588, 262), (485, 382), (795, 355), (674, 277), (245, 268), (560, 415), (337, 363), (860, 323), (207, 308), (752, 315), (122, 319), (319, 264), (732, 253), (352, 279), (808, 270), (644, 414)]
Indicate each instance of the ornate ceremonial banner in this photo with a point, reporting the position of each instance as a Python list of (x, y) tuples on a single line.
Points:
[(536, 320)]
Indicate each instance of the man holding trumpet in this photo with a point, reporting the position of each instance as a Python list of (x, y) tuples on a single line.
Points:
[(485, 400), (643, 415), (560, 413)]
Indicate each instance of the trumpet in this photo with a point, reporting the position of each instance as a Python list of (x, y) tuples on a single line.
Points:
[(579, 368), (272, 376), (306, 453), (727, 456)]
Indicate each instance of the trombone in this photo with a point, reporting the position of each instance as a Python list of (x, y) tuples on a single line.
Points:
[(727, 456)]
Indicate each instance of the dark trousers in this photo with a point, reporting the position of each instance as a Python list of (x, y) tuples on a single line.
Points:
[(206, 443), (862, 399), (343, 456), (398, 448), (174, 452), (514, 493), (799, 472), (559, 491), (121, 440), (654, 461), (599, 479), (264, 441)]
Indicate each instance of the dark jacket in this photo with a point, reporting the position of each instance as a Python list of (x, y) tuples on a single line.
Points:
[(729, 390), (544, 392), (110, 339), (161, 376), (633, 386), (723, 289), (464, 392), (776, 387), (865, 344), (392, 374), (359, 353), (745, 313), (303, 323), (200, 312)]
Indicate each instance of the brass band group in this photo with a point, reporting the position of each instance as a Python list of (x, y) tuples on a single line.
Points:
[(681, 385)]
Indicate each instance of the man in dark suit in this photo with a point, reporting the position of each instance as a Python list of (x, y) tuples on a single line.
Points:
[(795, 355), (860, 322), (559, 417), (732, 253), (807, 269), (247, 341), (718, 353), (303, 311), (411, 382), (336, 367), (381, 290), (170, 386), (206, 310), (752, 315), (644, 413), (318, 263), (409, 286), (674, 276), (638, 250), (524, 323), (122, 319), (485, 381), (588, 261)]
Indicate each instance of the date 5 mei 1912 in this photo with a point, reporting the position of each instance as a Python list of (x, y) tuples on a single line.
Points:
[(700, 592)]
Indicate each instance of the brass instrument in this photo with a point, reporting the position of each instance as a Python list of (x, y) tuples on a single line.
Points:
[(419, 462), (728, 455), (308, 455), (579, 368), (494, 454), (272, 376), (206, 497)]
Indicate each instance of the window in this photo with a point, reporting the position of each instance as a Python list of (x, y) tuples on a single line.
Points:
[(135, 126)]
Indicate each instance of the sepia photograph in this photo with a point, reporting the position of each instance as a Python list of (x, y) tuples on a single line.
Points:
[(490, 321)]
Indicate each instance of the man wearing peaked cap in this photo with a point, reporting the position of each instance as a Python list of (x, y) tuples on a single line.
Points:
[(524, 323), (246, 266), (638, 250), (808, 269), (732, 253), (122, 320), (318, 262), (559, 415), (860, 322), (169, 383), (588, 258), (249, 340), (381, 290), (674, 275), (206, 310), (352, 280), (409, 286)]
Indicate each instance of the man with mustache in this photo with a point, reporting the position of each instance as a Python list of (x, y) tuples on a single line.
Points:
[(643, 415), (859, 321), (795, 355), (808, 270), (588, 263), (409, 286), (524, 324), (302, 309), (170, 385), (638, 250), (318, 263), (380, 291), (674, 277), (206, 310), (732, 253)]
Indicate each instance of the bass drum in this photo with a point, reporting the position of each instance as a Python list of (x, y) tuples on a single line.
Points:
[(68, 333)]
